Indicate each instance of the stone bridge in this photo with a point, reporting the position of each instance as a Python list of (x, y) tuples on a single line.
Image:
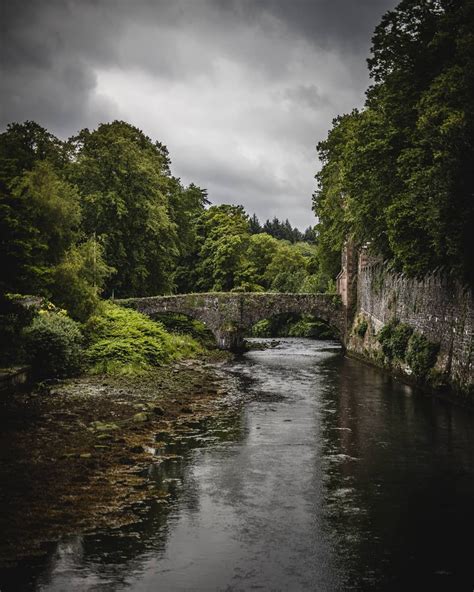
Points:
[(229, 315)]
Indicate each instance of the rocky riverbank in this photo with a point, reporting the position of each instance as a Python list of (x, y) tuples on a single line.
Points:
[(75, 454)]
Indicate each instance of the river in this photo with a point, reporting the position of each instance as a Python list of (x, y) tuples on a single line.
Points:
[(329, 475)]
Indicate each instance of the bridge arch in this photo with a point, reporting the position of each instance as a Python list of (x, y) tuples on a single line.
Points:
[(229, 315)]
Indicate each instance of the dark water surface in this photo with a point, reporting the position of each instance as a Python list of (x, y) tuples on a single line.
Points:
[(330, 476)]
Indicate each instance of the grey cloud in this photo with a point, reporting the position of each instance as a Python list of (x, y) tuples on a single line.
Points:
[(249, 86)]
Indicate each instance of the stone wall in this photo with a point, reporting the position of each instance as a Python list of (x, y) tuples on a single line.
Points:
[(435, 306)]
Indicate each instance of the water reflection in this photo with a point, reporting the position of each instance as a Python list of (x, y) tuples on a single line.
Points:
[(328, 475)]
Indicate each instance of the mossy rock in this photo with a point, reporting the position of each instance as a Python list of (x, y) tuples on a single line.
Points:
[(100, 426), (141, 417)]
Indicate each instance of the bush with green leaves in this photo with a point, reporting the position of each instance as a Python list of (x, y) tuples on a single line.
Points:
[(421, 355), (384, 337), (313, 329), (361, 328), (401, 343), (14, 317), (292, 325), (183, 325), (400, 337), (123, 341), (53, 344), (394, 337)]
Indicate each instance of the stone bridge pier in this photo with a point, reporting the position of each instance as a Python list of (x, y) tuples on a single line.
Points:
[(230, 315)]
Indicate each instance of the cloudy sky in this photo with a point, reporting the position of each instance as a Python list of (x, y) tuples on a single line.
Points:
[(239, 90)]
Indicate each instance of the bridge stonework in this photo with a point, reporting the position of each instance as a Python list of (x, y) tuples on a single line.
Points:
[(229, 315)]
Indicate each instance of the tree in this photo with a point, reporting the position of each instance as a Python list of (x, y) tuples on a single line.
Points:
[(40, 218), (78, 280), (186, 207), (287, 270), (224, 236), (124, 181), (398, 175), (258, 256), (22, 145), (254, 225)]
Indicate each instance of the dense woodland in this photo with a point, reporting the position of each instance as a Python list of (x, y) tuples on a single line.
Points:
[(101, 214), (398, 175)]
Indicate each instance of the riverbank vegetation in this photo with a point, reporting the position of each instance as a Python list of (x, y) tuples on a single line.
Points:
[(293, 325), (397, 175)]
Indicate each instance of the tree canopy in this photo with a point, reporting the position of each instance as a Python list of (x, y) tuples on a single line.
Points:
[(398, 175), (101, 214)]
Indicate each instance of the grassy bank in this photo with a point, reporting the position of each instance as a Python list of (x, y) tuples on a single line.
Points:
[(112, 341)]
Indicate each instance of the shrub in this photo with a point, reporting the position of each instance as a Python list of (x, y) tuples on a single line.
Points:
[(123, 341), (292, 325), (421, 354), (78, 279), (262, 329), (393, 338), (14, 318), (53, 345), (312, 329), (361, 328), (384, 337), (183, 325), (400, 337)]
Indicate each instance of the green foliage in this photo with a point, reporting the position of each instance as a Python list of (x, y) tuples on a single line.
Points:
[(401, 343), (292, 325), (79, 278), (123, 341), (101, 213), (313, 329), (262, 329), (124, 181), (39, 220), (259, 254), (53, 345), (183, 325), (281, 230), (224, 236), (385, 336), (399, 174), (400, 337), (394, 337), (286, 272), (22, 145), (14, 317), (421, 355), (361, 328)]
